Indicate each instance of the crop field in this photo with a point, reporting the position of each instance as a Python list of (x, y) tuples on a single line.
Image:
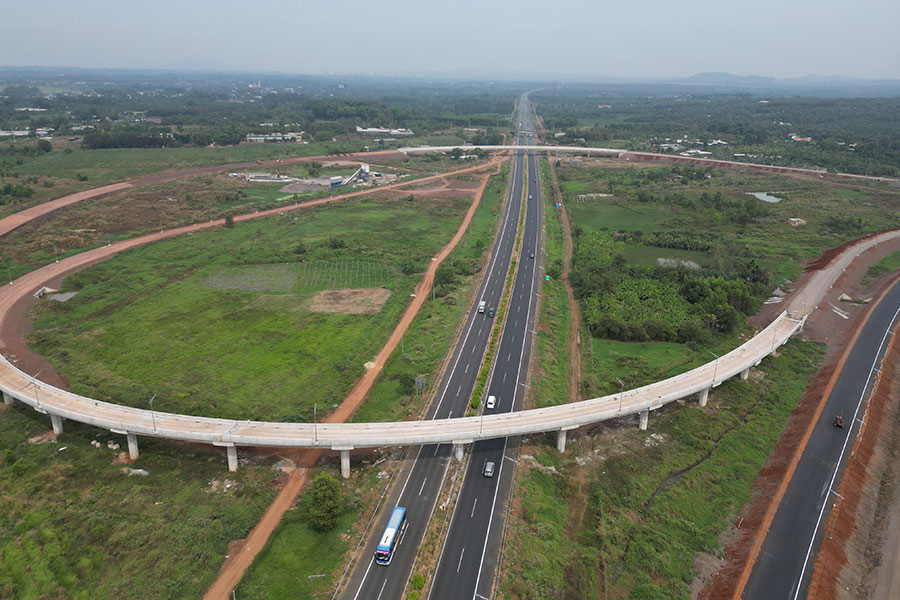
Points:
[(148, 321)]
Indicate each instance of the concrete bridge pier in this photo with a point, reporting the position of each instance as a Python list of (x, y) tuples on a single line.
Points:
[(745, 374), (458, 449), (345, 460), (56, 421), (232, 457), (8, 399), (645, 418), (132, 446), (561, 440), (704, 396)]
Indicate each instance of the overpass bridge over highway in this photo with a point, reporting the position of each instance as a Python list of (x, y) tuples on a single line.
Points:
[(60, 404)]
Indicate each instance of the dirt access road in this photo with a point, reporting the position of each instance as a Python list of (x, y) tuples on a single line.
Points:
[(14, 327), (234, 567)]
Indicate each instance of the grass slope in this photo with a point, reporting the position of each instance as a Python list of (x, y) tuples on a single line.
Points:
[(623, 514), (149, 321), (74, 525)]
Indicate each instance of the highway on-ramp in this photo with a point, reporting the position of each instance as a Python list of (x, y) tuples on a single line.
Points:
[(784, 566), (420, 480)]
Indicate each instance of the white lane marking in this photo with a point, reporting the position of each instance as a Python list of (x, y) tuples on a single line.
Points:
[(467, 367), (423, 486), (508, 356), (500, 469), (461, 554), (843, 449), (504, 231), (504, 378), (474, 504), (382, 589), (516, 324), (479, 331), (366, 574), (458, 390), (519, 309)]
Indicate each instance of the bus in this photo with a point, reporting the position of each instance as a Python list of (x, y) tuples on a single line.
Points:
[(391, 537)]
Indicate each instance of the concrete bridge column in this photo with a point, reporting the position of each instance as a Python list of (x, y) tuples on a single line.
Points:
[(561, 440), (132, 446), (345, 464), (56, 421), (645, 418), (458, 451), (745, 374), (232, 458), (8, 399), (704, 396)]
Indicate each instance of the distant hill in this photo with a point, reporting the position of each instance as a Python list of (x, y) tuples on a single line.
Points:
[(730, 79)]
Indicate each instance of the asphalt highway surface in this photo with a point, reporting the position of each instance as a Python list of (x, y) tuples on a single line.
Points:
[(469, 557), (784, 566), (420, 479)]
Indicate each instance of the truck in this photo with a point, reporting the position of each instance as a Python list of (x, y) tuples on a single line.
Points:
[(481, 306)]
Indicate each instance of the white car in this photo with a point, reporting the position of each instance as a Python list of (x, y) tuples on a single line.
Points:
[(491, 402)]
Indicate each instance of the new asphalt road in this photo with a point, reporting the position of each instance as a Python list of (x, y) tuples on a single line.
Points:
[(420, 480), (784, 566), (469, 557)]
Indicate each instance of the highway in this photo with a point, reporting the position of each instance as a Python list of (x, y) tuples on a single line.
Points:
[(423, 476), (784, 566), (469, 556)]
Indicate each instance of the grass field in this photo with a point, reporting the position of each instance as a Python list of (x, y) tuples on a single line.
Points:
[(295, 550), (615, 215), (429, 337), (215, 323), (550, 381), (76, 525), (624, 513)]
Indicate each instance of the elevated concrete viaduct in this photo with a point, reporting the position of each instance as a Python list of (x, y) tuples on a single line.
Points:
[(343, 437)]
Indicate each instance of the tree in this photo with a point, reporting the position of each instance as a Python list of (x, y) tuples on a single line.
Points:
[(456, 153), (44, 145), (325, 502), (315, 168), (443, 276), (229, 221)]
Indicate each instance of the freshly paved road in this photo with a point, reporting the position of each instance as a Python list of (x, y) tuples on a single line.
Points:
[(469, 557), (422, 477), (784, 566)]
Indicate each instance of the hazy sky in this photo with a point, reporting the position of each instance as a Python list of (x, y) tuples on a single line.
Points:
[(484, 38)]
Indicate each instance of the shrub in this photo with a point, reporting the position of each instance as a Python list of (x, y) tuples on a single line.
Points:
[(325, 502)]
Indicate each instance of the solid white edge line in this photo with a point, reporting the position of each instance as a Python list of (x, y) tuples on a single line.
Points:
[(505, 442), (837, 467)]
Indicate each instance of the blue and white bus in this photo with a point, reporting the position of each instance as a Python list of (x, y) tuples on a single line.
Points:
[(390, 539)]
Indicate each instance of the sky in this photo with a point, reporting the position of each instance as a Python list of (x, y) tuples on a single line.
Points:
[(561, 39)]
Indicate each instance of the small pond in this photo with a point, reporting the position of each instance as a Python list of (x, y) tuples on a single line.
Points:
[(766, 196)]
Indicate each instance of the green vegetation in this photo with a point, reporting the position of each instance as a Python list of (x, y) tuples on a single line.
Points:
[(394, 396), (623, 515), (214, 322), (550, 377), (77, 525), (885, 265), (298, 548), (324, 502), (855, 135)]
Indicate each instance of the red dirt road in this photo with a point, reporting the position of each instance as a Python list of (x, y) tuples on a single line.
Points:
[(233, 569)]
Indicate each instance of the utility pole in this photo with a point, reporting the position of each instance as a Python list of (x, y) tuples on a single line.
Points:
[(311, 577), (152, 414), (715, 366)]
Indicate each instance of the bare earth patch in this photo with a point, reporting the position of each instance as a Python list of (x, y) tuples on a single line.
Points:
[(365, 301)]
